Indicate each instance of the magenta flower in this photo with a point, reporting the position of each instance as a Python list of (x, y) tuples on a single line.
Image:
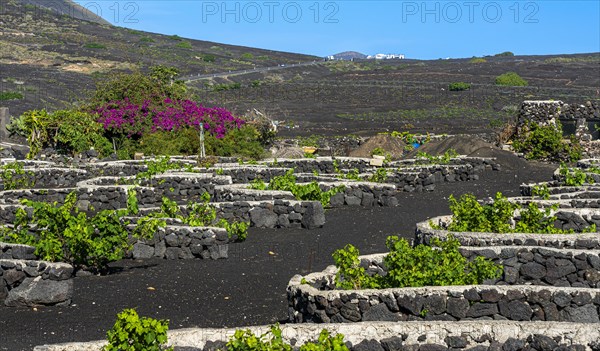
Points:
[(126, 118)]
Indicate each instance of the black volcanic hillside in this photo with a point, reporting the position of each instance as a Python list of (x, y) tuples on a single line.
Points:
[(369, 96), (67, 7), (51, 57)]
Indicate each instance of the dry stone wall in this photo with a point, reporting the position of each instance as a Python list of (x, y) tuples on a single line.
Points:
[(554, 287), (182, 242), (424, 234), (398, 336), (26, 282)]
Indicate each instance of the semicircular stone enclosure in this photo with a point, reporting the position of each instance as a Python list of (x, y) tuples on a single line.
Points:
[(546, 278)]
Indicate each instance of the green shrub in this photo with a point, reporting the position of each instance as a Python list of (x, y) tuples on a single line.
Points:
[(184, 45), (185, 141), (575, 176), (70, 131), (352, 174), (208, 58), (244, 142), (235, 230), (247, 56), (76, 132), (442, 159), (139, 87), (65, 234), (14, 176), (245, 340), (307, 192), (511, 79), (146, 40), (10, 95), (156, 167), (258, 184), (505, 54), (459, 86), (380, 176), (437, 265), (326, 342), (541, 191), (468, 215), (132, 333), (200, 214), (95, 46), (477, 60), (378, 151), (309, 141), (546, 143)]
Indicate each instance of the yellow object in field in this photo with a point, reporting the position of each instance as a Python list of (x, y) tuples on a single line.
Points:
[(309, 149)]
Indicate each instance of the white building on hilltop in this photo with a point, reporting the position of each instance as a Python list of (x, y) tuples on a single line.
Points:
[(385, 57)]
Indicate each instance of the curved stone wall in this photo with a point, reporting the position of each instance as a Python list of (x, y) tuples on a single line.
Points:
[(182, 242), (523, 292), (26, 282), (425, 232)]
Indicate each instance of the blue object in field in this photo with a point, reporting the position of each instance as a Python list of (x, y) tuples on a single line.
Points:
[(416, 145)]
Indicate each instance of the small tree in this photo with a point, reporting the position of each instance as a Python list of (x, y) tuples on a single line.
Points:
[(545, 142), (459, 86), (505, 54), (132, 333), (511, 79)]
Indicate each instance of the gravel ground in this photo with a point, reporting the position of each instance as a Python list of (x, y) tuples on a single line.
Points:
[(249, 287)]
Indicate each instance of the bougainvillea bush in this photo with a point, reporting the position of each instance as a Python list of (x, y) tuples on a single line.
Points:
[(126, 118), (152, 114)]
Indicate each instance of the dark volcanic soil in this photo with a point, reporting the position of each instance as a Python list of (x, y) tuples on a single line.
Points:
[(249, 288)]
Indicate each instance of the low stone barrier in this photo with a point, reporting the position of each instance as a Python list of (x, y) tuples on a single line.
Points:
[(241, 192), (16, 252), (14, 197), (96, 198), (274, 214), (542, 266), (51, 177), (243, 174), (426, 179), (182, 242), (555, 188), (329, 165), (278, 213), (424, 233), (364, 194), (450, 303), (549, 111), (588, 163), (353, 194), (524, 265), (395, 336), (116, 168), (478, 163), (25, 283)]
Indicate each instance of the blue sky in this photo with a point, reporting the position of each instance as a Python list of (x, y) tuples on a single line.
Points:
[(418, 29)]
